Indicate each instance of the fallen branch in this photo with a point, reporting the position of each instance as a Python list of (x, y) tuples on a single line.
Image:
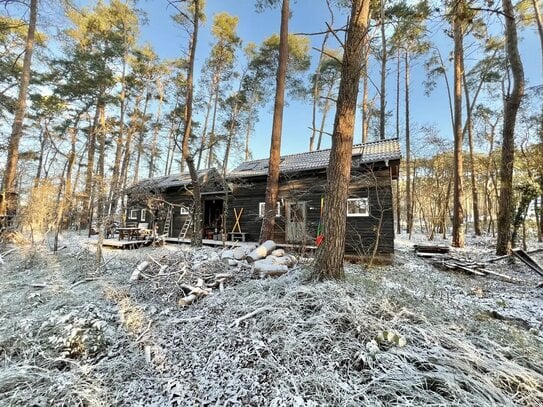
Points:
[(143, 333), (85, 280), (247, 316)]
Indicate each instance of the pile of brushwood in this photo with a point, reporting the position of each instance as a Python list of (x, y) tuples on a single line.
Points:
[(72, 333)]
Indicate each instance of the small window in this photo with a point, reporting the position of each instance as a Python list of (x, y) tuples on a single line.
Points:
[(262, 206), (143, 214), (183, 211), (358, 207), (133, 214)]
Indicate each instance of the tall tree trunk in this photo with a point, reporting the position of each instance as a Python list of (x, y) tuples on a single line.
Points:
[(365, 104), (114, 190), (272, 187), (458, 193), (248, 129), (325, 111), (231, 131), (91, 149), (212, 137), (154, 143), (511, 106), (203, 139), (197, 230), (141, 138), (398, 203), (101, 184), (329, 262), (382, 110), (8, 204), (408, 191)]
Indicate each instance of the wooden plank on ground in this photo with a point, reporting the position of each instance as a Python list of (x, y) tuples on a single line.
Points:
[(528, 260)]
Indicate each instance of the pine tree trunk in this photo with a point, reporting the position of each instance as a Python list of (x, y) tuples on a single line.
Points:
[(458, 193), (212, 137), (203, 139), (329, 262), (408, 192), (382, 110), (8, 204), (272, 187), (196, 196), (86, 216), (511, 106), (154, 143), (114, 190)]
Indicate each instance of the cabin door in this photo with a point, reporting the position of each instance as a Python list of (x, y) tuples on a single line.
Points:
[(295, 221)]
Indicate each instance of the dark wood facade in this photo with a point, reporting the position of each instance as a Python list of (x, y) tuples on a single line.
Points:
[(370, 219), (303, 193)]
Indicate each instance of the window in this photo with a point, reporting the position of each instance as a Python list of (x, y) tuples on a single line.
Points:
[(358, 207), (183, 211), (143, 214), (133, 214), (262, 205)]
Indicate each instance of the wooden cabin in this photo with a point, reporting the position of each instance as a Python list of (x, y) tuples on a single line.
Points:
[(236, 204)]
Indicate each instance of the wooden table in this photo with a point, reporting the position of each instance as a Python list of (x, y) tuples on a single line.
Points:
[(129, 232)]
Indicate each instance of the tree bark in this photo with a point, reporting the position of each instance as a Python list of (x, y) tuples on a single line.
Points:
[(458, 193), (197, 203), (511, 106), (272, 187), (408, 192), (330, 254), (382, 110), (8, 204)]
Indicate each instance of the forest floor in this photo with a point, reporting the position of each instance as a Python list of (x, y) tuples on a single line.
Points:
[(404, 334)]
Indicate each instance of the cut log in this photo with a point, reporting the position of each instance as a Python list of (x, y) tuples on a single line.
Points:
[(226, 255), (278, 253), (285, 260), (266, 268), (261, 251), (136, 274), (239, 253), (425, 248)]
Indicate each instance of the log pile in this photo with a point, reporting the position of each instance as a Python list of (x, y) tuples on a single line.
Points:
[(196, 275)]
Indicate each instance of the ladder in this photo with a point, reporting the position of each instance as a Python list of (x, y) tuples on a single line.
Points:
[(185, 228), (168, 222)]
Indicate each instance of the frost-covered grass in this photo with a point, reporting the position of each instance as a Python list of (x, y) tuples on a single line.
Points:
[(107, 341)]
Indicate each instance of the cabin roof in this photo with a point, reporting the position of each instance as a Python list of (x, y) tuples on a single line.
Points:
[(171, 181), (373, 152)]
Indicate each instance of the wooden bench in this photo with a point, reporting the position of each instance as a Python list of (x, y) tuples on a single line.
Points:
[(233, 236)]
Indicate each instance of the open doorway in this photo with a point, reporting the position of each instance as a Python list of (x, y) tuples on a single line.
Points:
[(213, 217)]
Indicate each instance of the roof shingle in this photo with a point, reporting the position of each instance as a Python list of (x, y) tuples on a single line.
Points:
[(383, 150)]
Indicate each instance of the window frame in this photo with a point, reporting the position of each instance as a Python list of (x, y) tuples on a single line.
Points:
[(184, 211), (359, 215), (133, 214), (262, 206), (143, 214)]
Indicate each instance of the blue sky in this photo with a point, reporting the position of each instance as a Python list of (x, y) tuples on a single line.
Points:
[(310, 16)]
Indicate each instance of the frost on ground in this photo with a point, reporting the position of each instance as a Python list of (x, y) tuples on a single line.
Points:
[(406, 334)]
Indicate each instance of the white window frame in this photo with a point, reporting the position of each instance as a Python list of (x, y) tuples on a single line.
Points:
[(262, 206), (143, 215), (133, 214), (184, 211), (366, 214)]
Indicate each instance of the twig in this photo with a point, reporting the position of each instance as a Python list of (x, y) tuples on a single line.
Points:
[(143, 333), (247, 316), (85, 280), (105, 263), (7, 252)]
